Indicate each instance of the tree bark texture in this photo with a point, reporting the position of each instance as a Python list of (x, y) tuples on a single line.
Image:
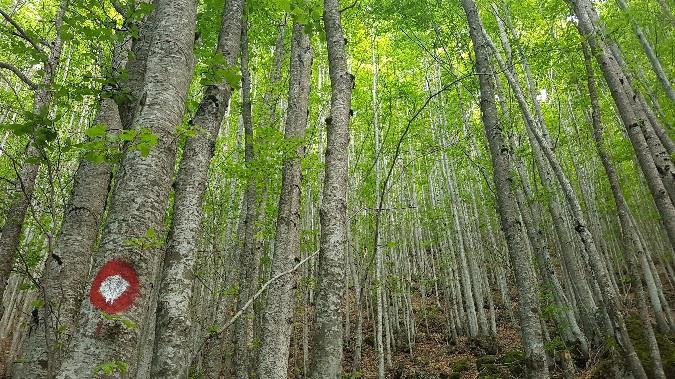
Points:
[(508, 209), (139, 201), (278, 311), (173, 325), (326, 353)]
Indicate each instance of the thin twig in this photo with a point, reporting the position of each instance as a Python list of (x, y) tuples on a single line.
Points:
[(257, 294)]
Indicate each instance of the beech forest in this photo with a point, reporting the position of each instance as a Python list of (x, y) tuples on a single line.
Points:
[(337, 189)]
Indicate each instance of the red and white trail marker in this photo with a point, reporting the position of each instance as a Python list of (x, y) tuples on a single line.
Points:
[(115, 287)]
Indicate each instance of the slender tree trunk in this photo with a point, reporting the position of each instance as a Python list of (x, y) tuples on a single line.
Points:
[(619, 88), (327, 341), (609, 296), (379, 203), (243, 327), (659, 143), (649, 51), (508, 209), (565, 318), (28, 172), (579, 278), (665, 8), (278, 312), (173, 325), (63, 282), (628, 226), (137, 207)]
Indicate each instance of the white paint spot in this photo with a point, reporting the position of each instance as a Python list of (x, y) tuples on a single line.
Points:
[(113, 287)]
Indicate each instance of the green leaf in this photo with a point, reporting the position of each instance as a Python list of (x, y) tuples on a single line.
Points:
[(127, 135), (96, 131), (232, 76), (110, 368)]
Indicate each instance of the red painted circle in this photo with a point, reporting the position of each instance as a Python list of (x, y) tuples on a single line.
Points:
[(117, 271)]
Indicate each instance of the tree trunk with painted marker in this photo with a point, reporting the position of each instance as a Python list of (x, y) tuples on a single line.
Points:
[(173, 324), (62, 280), (326, 359), (278, 312), (535, 356), (139, 201)]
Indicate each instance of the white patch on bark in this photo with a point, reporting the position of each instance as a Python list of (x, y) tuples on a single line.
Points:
[(112, 288)]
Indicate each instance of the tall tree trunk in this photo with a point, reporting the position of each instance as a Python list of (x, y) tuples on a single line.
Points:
[(580, 283), (631, 239), (248, 266), (379, 203), (137, 209), (278, 311), (665, 8), (627, 107), (173, 325), (508, 209), (594, 258), (649, 51), (27, 174), (327, 341), (63, 283), (659, 143), (565, 318)]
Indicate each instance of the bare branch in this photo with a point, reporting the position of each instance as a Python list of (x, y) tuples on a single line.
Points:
[(263, 288), (256, 295), (348, 7), (119, 8), (22, 33), (20, 74)]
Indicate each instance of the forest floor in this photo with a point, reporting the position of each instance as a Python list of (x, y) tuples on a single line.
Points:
[(434, 358)]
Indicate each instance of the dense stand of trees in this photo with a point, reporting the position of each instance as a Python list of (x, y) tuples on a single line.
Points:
[(297, 188)]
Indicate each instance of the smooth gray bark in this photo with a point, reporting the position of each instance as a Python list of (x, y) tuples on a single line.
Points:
[(63, 282), (631, 240), (649, 51), (555, 208), (609, 298), (248, 266), (628, 111), (659, 143)]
